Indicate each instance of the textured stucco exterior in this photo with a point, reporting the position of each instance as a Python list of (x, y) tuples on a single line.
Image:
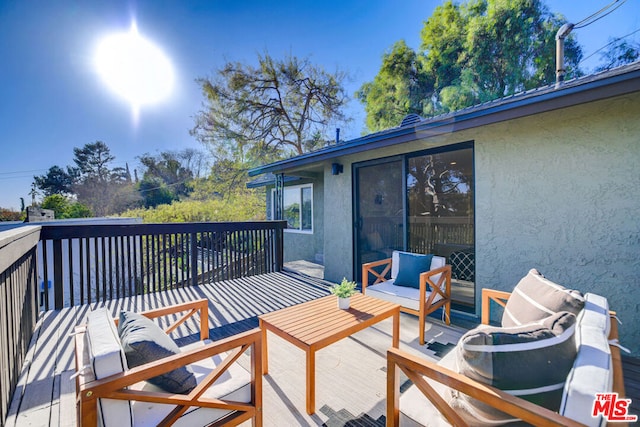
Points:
[(338, 240), (560, 192), (557, 191), (305, 246)]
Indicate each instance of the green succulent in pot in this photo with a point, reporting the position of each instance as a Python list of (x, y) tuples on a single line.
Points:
[(344, 289)]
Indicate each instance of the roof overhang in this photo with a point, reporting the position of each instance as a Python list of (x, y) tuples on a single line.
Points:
[(616, 82)]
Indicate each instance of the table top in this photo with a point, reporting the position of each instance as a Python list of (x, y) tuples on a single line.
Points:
[(320, 322)]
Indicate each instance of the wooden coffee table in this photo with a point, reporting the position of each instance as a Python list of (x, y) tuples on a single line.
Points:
[(316, 324)]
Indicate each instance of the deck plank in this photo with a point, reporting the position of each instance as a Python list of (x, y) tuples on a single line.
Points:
[(67, 402), (48, 393)]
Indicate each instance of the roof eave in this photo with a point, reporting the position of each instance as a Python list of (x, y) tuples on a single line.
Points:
[(526, 104)]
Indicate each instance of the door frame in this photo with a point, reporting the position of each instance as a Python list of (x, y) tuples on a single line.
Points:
[(355, 168)]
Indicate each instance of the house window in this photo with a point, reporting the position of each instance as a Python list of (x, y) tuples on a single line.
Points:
[(298, 208)]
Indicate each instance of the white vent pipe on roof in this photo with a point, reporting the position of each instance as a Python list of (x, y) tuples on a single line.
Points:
[(562, 33)]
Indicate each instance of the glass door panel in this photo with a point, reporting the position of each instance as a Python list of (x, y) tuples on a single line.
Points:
[(379, 212), (440, 215)]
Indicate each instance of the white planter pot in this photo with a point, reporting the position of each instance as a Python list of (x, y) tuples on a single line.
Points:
[(343, 303)]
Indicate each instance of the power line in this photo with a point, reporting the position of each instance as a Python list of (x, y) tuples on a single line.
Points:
[(29, 171), (599, 14), (609, 44)]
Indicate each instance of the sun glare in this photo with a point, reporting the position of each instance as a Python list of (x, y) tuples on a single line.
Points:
[(134, 68)]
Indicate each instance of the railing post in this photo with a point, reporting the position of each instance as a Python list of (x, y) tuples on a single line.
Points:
[(194, 257), (18, 306), (58, 297), (279, 245)]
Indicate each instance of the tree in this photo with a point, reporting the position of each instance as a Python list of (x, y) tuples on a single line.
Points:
[(474, 52), (401, 87), (103, 189), (272, 109), (169, 175), (155, 192), (65, 208), (57, 203), (93, 160), (619, 52), (56, 181), (9, 215), (510, 47)]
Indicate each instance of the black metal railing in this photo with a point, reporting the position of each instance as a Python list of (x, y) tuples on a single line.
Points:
[(18, 306), (81, 264), (53, 266)]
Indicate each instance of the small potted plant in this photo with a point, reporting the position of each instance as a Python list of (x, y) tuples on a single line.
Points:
[(343, 291)]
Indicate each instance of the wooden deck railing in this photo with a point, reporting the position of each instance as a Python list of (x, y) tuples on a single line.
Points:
[(53, 266), (89, 263), (18, 306)]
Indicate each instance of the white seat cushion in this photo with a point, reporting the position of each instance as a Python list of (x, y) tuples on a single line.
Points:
[(403, 295), (107, 358), (592, 370), (592, 373), (234, 384), (595, 313)]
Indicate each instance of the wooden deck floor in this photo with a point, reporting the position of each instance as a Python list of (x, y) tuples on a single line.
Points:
[(46, 392)]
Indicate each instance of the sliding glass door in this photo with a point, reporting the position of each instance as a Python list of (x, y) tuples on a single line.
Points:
[(423, 203), (379, 211), (440, 214)]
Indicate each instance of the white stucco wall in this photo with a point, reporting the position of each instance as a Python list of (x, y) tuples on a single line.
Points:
[(338, 224), (561, 192), (558, 191)]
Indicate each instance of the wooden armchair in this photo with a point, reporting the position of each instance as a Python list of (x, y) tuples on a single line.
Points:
[(427, 377), (226, 393), (434, 291)]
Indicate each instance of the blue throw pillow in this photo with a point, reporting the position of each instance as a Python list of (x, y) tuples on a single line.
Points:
[(409, 268), (143, 341)]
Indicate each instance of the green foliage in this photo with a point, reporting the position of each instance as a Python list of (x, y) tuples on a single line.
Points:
[(238, 207), (272, 109), (97, 187), (9, 215), (401, 87), (77, 210), (155, 192), (619, 52), (93, 160), (57, 203), (65, 208), (474, 52), (167, 176), (56, 181), (345, 289)]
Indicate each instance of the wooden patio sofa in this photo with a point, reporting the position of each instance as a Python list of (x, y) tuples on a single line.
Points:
[(111, 394), (597, 368), (433, 289)]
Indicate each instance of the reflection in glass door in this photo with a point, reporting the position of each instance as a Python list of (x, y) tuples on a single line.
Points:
[(379, 212), (440, 215)]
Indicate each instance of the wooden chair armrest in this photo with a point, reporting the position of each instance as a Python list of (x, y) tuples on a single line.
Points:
[(369, 268), (114, 387), (377, 263), (488, 295), (244, 340), (436, 288), (201, 305), (616, 357), (415, 368)]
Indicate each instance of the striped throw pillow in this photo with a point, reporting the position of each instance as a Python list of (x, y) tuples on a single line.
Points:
[(536, 297), (530, 361)]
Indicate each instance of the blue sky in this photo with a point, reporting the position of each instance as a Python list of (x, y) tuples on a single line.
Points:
[(52, 99)]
